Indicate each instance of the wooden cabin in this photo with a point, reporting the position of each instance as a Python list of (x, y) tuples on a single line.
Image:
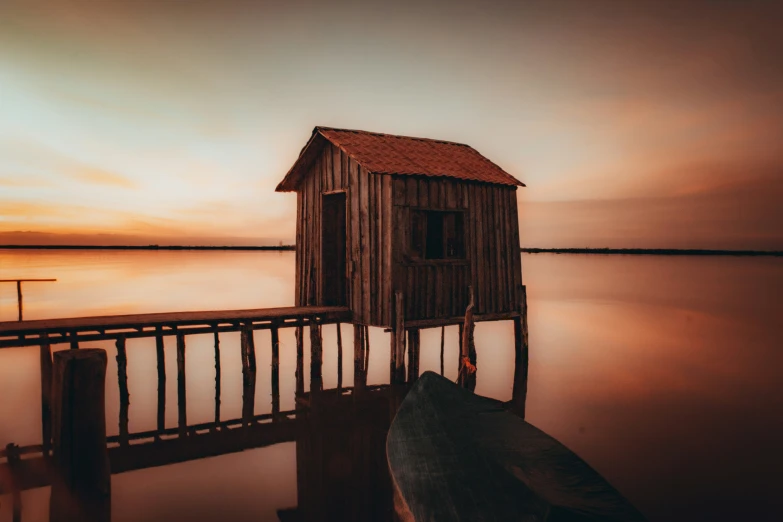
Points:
[(379, 214)]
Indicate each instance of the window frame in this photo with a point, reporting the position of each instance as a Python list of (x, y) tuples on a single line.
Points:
[(410, 257)]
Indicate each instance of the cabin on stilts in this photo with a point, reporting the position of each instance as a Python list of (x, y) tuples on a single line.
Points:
[(388, 221)]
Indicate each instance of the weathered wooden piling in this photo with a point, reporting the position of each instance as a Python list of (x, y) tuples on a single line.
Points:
[(299, 361), (161, 366), (248, 349), (81, 484), (467, 370), (12, 454), (122, 380), (521, 356), (46, 393)]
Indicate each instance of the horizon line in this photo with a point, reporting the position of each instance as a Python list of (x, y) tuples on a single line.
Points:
[(527, 250)]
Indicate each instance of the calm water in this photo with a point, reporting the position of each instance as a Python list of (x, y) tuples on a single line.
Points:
[(664, 373)]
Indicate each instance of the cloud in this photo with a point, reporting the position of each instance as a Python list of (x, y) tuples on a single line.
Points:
[(99, 176)]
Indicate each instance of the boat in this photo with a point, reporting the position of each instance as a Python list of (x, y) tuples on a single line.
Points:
[(457, 456)]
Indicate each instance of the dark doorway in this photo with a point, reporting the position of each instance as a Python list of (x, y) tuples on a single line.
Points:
[(333, 250)]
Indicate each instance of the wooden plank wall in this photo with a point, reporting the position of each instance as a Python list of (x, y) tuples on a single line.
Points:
[(492, 265), (368, 235)]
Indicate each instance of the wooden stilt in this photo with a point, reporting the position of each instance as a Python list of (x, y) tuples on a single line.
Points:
[(12, 455), (398, 338), (359, 373), (248, 374), (217, 377), (299, 361), (467, 370), (275, 373), (521, 354), (316, 357), (122, 380), (366, 356), (182, 417), (81, 482), (413, 354), (339, 359), (74, 342), (46, 393), (161, 362), (442, 347)]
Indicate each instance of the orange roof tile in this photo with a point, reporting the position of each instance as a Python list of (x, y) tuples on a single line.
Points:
[(402, 155)]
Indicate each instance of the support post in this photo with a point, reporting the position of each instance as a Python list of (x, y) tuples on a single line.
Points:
[(414, 340), (122, 381), (398, 339), (46, 393), (316, 358), (299, 361), (442, 347), (74, 342), (81, 483), (182, 411), (359, 373), (217, 376), (248, 374), (275, 373), (12, 454), (339, 359), (521, 354), (161, 363), (467, 370)]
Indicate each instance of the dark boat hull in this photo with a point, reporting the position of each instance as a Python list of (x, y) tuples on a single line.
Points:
[(456, 456)]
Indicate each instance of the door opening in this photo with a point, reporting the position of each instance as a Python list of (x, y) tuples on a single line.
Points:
[(333, 250)]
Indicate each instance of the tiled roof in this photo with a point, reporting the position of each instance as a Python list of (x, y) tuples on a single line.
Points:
[(402, 155)]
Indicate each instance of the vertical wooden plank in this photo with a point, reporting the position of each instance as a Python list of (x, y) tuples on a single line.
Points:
[(216, 342), (337, 166), (81, 477), (182, 416), (424, 192), (515, 243), (434, 192), (411, 191), (122, 380), (388, 275), (364, 197), (327, 181), (372, 215), (379, 233), (161, 365), (45, 357), (356, 251), (439, 290), (478, 249), (413, 354), (317, 253), (275, 373), (298, 252)]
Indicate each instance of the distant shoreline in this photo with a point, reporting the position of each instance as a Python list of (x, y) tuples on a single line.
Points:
[(604, 251)]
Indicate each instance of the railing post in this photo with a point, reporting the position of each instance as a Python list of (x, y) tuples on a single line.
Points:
[(398, 339), (248, 374), (299, 361), (217, 376), (19, 298), (359, 373), (182, 410), (46, 393), (81, 484), (275, 373), (316, 358), (161, 364), (339, 359), (413, 354)]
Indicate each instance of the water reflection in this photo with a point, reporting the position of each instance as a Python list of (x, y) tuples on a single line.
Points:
[(663, 373)]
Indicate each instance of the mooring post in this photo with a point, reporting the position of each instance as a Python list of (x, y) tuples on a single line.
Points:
[(46, 393), (398, 339), (12, 455), (122, 380), (81, 482), (521, 355)]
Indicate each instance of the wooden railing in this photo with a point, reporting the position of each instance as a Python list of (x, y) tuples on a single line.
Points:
[(163, 445)]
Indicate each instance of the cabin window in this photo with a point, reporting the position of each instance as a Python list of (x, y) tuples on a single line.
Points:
[(437, 234)]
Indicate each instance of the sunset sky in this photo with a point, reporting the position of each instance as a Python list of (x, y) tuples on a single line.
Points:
[(633, 124)]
